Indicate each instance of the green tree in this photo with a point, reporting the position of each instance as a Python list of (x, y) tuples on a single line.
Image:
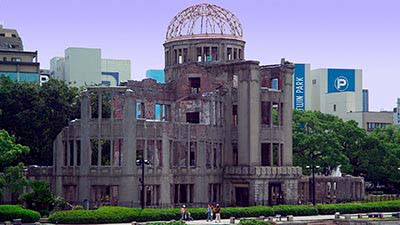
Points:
[(374, 156), (9, 153), (40, 199), (381, 162), (9, 150), (15, 180), (316, 140), (36, 114)]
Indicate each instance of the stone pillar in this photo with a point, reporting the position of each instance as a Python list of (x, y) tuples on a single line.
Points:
[(128, 190), (249, 104), (243, 122), (252, 193), (287, 111), (201, 187), (58, 163), (228, 121), (166, 178), (261, 192), (84, 184), (290, 189)]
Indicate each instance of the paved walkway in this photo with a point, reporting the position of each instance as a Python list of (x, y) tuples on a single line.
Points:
[(226, 221), (296, 218)]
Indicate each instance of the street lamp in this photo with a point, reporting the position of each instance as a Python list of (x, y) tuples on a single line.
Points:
[(313, 167), (142, 162)]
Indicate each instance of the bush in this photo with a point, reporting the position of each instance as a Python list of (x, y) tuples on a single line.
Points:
[(295, 210), (40, 199), (10, 212), (113, 214), (254, 222), (253, 211), (347, 208)]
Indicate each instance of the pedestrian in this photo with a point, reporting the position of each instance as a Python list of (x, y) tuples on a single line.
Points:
[(189, 216), (212, 212), (209, 213), (217, 213), (182, 212)]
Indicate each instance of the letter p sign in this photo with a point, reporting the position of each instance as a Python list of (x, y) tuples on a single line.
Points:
[(341, 83)]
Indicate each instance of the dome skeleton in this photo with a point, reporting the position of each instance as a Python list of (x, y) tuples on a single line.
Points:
[(204, 19)]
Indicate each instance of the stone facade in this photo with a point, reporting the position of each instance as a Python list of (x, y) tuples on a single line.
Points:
[(216, 131), (332, 189)]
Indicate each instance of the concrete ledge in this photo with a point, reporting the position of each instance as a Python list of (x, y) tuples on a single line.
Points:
[(44, 220), (17, 221)]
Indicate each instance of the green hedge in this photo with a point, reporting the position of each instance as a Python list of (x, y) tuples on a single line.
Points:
[(347, 208), (253, 211), (114, 214), (297, 210), (10, 212), (110, 214)]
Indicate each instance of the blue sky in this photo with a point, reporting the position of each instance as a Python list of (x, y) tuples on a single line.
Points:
[(330, 33)]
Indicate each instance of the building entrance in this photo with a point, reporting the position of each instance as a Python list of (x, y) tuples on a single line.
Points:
[(275, 194), (242, 196)]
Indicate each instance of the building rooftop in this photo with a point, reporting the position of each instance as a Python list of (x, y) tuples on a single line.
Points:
[(204, 20), (10, 40)]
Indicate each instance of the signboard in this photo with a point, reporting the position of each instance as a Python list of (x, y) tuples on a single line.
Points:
[(341, 80), (299, 82)]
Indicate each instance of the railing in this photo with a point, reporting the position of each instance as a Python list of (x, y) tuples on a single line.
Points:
[(379, 198), (263, 171)]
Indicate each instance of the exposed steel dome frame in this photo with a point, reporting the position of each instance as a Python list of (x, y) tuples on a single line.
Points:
[(204, 19)]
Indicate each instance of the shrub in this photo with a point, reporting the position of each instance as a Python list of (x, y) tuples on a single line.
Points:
[(295, 210), (113, 214), (254, 222), (10, 212), (252, 211), (41, 198), (347, 208)]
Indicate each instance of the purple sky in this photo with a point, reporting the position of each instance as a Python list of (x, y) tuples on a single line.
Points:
[(326, 33)]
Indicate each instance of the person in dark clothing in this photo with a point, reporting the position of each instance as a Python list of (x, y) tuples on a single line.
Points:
[(217, 211)]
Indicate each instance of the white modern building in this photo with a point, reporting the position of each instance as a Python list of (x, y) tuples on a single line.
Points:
[(84, 66), (334, 91), (396, 113)]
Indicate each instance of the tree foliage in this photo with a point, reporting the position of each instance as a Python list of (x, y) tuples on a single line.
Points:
[(11, 177), (36, 114), (9, 150), (14, 178), (40, 199), (319, 139), (374, 156)]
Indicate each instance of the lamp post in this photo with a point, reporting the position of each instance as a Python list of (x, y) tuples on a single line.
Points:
[(313, 167), (142, 162), (314, 154)]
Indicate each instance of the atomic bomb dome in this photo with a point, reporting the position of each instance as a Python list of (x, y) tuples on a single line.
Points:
[(217, 131), (204, 20), (203, 33)]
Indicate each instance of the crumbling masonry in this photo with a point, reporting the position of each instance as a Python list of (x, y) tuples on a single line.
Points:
[(219, 130)]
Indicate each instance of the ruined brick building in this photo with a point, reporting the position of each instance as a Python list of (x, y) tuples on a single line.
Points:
[(219, 129)]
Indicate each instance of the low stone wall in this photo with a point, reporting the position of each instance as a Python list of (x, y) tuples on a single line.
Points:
[(342, 222), (321, 222), (365, 222)]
